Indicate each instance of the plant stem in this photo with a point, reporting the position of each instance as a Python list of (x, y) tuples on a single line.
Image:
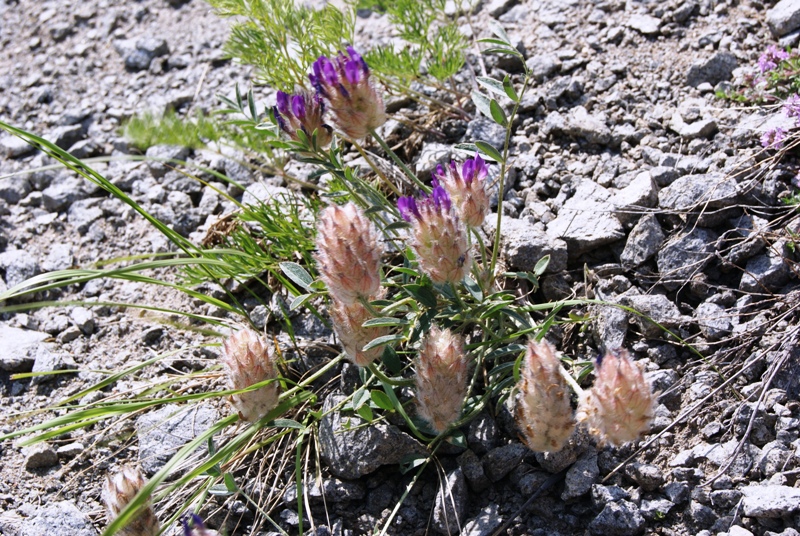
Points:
[(399, 162), (570, 380), (386, 379), (380, 174)]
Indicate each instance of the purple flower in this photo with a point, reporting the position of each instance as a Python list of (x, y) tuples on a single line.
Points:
[(304, 112), (792, 106), (344, 82), (408, 208), (197, 528), (466, 188), (773, 139), (770, 59)]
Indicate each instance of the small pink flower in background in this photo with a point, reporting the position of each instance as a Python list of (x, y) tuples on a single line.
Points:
[(348, 320), (304, 112), (792, 106), (544, 413), (773, 138), (467, 189), (770, 59), (344, 82), (349, 253), (619, 406), (119, 490), (248, 361), (440, 241), (441, 378)]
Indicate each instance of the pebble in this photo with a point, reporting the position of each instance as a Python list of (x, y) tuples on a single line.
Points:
[(770, 501), (58, 519), (498, 462), (19, 347), (40, 456), (644, 24), (643, 241), (784, 17), (621, 518), (714, 70), (524, 245), (450, 504), (581, 476)]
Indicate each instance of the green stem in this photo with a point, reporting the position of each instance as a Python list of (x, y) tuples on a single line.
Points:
[(383, 378), (570, 380), (399, 162), (380, 174)]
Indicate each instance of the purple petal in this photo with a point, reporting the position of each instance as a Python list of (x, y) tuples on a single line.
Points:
[(468, 171), (407, 207), (352, 72), (283, 102), (299, 106), (440, 198), (279, 118), (480, 168)]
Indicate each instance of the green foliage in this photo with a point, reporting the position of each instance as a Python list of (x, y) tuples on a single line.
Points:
[(282, 38)]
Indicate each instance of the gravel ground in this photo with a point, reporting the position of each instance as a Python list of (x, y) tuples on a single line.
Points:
[(645, 189)]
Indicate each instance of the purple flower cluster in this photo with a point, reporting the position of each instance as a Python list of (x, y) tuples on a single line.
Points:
[(303, 111), (770, 59), (438, 200), (467, 188), (773, 138)]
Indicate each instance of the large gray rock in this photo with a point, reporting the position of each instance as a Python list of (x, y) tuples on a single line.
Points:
[(656, 308), (581, 476), (770, 501), (714, 321), (62, 192), (13, 189), (699, 192), (717, 68), (164, 431), (500, 461), (17, 352), (784, 17), (587, 221), (351, 448), (644, 24), (765, 273), (19, 265), (685, 255), (523, 245), (620, 518), (640, 194), (644, 241), (579, 123), (483, 129), (485, 523), (451, 504), (58, 519)]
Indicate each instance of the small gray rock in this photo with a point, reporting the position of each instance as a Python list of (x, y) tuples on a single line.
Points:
[(765, 273), (161, 156), (656, 308), (714, 70), (14, 147), (541, 66), (58, 258), (62, 192), (646, 475), (485, 523), (19, 346), (581, 476), (472, 468), (19, 265), (677, 492), (46, 360), (260, 192), (451, 504), (40, 456), (83, 213), (66, 136), (70, 450), (431, 155), (500, 461), (714, 322), (58, 519), (694, 192), (643, 242), (701, 515), (83, 319), (630, 201), (523, 245), (620, 518), (483, 129), (14, 189), (644, 24), (784, 17), (483, 433), (770, 501), (656, 509), (685, 255)]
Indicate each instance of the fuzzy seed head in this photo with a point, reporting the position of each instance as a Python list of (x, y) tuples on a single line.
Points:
[(619, 407), (441, 378), (439, 238), (302, 111), (467, 189), (544, 412), (248, 361), (349, 253), (344, 82), (118, 491), (347, 323)]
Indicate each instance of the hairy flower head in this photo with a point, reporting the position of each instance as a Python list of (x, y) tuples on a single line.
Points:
[(304, 112), (118, 491), (439, 238), (544, 412), (248, 361), (344, 82), (619, 406), (348, 253), (441, 378), (467, 188), (347, 323)]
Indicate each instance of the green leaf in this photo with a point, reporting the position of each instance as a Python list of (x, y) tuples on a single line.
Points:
[(251, 103), (468, 147), (382, 341), (365, 412), (498, 114), (288, 423), (498, 30), (220, 490), (458, 439), (422, 293), (391, 361), (541, 265), (299, 301), (482, 103), (297, 273), (359, 398), (381, 400), (411, 462), (508, 87), (397, 225), (495, 86), (385, 321), (473, 289), (230, 483), (489, 151), (504, 50), (493, 41)]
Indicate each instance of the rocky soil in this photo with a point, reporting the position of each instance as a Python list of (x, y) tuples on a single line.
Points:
[(645, 189)]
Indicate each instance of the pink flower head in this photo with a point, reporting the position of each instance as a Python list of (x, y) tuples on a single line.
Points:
[(344, 82), (441, 378), (773, 138), (619, 406), (467, 188), (248, 361), (348, 320), (770, 59), (119, 490), (304, 112), (440, 240), (792, 106)]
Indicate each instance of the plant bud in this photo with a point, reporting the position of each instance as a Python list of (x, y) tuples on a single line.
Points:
[(467, 189), (441, 378), (304, 112), (349, 253), (248, 361), (119, 490), (193, 526), (440, 241), (619, 407), (347, 323), (544, 413), (356, 106)]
